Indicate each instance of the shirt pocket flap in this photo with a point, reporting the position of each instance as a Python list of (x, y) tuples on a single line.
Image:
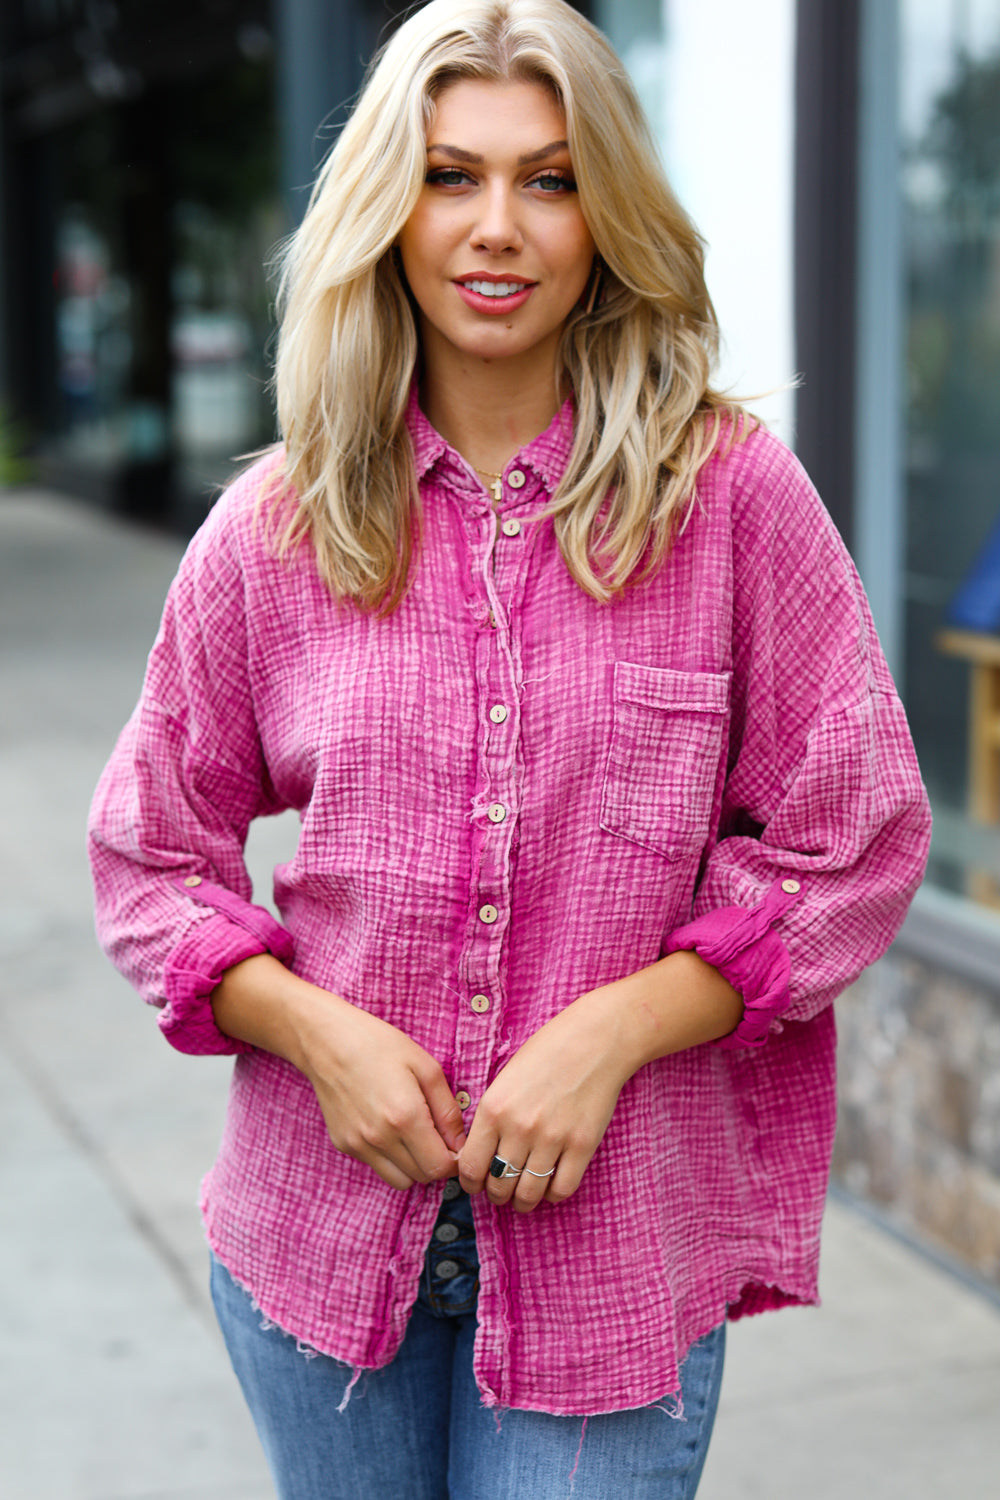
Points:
[(666, 757), (662, 687)]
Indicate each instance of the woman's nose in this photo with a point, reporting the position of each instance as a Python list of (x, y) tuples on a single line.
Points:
[(496, 228)]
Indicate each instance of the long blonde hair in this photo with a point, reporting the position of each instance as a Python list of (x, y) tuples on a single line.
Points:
[(637, 363)]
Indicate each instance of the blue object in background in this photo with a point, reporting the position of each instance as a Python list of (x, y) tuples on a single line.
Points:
[(975, 604)]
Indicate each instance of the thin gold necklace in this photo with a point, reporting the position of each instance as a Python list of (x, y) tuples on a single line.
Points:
[(496, 486)]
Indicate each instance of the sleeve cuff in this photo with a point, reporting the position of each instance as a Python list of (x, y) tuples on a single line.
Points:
[(235, 931), (740, 943)]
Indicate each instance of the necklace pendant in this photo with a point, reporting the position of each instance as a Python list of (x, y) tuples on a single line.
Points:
[(497, 488)]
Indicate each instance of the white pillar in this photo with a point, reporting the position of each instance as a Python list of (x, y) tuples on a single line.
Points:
[(879, 524), (729, 149)]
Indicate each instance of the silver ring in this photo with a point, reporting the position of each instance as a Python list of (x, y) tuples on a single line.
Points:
[(538, 1174), (501, 1168)]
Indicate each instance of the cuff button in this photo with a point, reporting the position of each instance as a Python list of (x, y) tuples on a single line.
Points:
[(192, 880), (791, 887)]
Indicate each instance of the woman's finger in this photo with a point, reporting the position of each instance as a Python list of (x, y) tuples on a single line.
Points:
[(567, 1176), (533, 1184), (408, 1138), (398, 1165), (476, 1155), (501, 1187), (398, 1130), (446, 1113), (420, 1143), (484, 1146), (389, 1171)]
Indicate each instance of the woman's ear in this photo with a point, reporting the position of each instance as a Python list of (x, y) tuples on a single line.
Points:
[(593, 292)]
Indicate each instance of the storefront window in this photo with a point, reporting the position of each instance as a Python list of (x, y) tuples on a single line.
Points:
[(635, 29), (950, 97), (226, 222), (166, 209), (93, 299)]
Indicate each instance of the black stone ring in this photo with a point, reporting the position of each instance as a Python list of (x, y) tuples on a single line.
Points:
[(501, 1168)]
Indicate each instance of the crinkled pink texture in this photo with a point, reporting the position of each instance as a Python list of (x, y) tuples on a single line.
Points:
[(510, 794), (236, 931), (741, 944)]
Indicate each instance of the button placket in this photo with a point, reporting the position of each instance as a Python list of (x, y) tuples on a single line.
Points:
[(497, 687)]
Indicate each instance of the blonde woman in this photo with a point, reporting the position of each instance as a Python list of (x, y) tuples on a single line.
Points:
[(605, 792)]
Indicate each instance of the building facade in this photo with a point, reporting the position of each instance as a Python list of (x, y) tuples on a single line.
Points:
[(152, 155), (843, 159)]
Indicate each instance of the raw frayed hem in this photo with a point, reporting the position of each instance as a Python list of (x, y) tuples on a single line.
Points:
[(675, 1412), (579, 1454), (350, 1387), (307, 1350), (268, 1325)]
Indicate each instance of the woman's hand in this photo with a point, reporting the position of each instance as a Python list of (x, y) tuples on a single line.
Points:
[(546, 1112), (385, 1100), (549, 1107)]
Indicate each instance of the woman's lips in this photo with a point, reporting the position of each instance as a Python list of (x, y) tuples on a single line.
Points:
[(502, 296)]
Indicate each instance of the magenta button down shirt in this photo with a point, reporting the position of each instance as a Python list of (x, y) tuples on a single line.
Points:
[(510, 794)]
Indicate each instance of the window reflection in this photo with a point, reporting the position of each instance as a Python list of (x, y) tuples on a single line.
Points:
[(951, 185), (166, 211), (636, 31)]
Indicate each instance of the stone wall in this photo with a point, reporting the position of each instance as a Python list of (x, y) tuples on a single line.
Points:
[(919, 1134)]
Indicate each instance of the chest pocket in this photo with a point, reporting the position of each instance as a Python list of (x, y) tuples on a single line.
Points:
[(663, 762)]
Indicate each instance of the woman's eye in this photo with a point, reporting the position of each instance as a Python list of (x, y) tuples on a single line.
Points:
[(446, 176), (555, 182)]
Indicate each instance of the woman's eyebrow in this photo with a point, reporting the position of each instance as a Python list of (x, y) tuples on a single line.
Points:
[(458, 153)]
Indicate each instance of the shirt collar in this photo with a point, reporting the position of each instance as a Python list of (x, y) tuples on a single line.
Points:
[(428, 444), (547, 455)]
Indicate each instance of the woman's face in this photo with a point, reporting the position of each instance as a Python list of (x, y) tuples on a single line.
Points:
[(497, 252)]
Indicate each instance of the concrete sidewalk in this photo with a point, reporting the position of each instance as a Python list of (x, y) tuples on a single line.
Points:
[(113, 1381)]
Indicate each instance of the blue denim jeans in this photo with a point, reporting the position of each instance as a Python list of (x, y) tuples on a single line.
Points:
[(416, 1430)]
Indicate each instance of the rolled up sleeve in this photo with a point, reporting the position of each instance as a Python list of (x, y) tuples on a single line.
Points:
[(824, 827), (170, 816)]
